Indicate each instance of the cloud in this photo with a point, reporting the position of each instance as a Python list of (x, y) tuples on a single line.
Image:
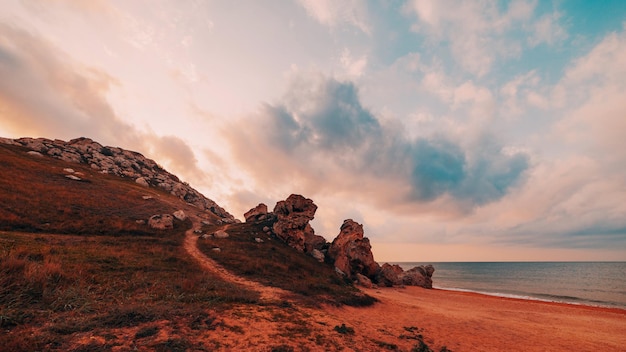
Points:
[(334, 13), (69, 99), (43, 92), (322, 139), (547, 30), (480, 33)]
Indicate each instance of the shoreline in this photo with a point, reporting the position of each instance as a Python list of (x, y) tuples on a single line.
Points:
[(530, 299), (583, 302)]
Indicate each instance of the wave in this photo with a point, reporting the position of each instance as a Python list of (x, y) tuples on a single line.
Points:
[(541, 297)]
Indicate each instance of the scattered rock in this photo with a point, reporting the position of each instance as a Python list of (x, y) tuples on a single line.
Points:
[(352, 252), (318, 255), (258, 240), (146, 197), (363, 280), (180, 215), (256, 213), (69, 171), (206, 236), (72, 177), (220, 234), (142, 181), (161, 222), (266, 229), (34, 153), (120, 162)]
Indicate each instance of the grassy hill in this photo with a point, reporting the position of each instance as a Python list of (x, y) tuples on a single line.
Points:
[(80, 270)]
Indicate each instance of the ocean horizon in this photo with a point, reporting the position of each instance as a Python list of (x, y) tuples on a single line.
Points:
[(584, 283)]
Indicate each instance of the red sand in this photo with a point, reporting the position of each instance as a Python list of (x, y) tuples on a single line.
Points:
[(465, 321)]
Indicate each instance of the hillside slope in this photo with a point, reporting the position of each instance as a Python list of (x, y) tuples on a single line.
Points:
[(80, 269)]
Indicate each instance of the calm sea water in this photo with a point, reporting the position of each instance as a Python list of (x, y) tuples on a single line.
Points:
[(588, 283)]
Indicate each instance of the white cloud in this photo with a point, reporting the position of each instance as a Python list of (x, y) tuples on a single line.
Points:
[(334, 13), (354, 67), (478, 32), (547, 30)]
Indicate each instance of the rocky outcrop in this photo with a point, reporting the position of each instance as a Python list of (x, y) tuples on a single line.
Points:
[(419, 276), (257, 213), (292, 223), (393, 275), (390, 275), (123, 163), (352, 253)]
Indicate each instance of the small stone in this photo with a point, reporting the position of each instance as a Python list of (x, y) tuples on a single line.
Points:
[(34, 153), (216, 249), (146, 197), (72, 177), (69, 171), (220, 234), (180, 215), (258, 240), (142, 182)]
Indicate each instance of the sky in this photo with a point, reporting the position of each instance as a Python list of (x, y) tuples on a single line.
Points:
[(452, 130)]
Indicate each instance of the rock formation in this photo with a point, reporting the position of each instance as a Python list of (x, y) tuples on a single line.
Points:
[(419, 276), (120, 162), (257, 213), (292, 223), (352, 252), (390, 275)]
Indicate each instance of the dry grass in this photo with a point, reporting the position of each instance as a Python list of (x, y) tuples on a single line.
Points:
[(37, 197), (76, 266), (274, 263), (73, 259)]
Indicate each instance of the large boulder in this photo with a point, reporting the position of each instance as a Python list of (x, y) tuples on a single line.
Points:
[(390, 275), (161, 222), (352, 252), (419, 276), (292, 223), (257, 213)]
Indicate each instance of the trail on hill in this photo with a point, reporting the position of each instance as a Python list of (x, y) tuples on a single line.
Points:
[(267, 293)]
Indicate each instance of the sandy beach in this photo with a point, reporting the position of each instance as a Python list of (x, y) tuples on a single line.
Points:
[(464, 321), (458, 321)]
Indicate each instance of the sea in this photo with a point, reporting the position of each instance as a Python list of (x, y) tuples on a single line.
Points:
[(587, 283)]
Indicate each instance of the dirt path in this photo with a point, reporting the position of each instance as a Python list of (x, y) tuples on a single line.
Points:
[(267, 293)]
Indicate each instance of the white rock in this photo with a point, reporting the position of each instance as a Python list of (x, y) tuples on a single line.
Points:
[(180, 215), (34, 153), (142, 181), (258, 240), (69, 171), (216, 249), (220, 234), (72, 177)]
